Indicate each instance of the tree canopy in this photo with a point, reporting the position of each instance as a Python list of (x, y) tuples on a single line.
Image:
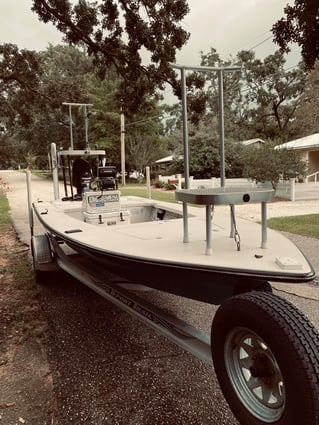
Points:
[(65, 70), (260, 101), (300, 25), (285, 164), (117, 33), (65, 74), (20, 74), (271, 94), (264, 100), (306, 117)]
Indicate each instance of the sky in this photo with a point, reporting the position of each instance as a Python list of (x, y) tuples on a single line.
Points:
[(231, 25), (226, 25)]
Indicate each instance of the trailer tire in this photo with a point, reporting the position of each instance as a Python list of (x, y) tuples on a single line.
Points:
[(44, 268), (262, 286), (266, 358)]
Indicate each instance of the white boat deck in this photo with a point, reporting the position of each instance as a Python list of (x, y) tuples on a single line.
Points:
[(163, 240)]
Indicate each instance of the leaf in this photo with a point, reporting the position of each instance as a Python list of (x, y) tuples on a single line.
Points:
[(10, 404), (7, 405)]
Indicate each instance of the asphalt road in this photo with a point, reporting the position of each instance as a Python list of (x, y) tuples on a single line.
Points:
[(109, 368)]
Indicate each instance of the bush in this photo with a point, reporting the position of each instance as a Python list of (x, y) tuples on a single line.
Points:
[(169, 186), (267, 164), (159, 185)]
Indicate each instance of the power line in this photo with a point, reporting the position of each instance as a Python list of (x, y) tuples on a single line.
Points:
[(262, 42), (144, 120), (252, 41), (165, 115)]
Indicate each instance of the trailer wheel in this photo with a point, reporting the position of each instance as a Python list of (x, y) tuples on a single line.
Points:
[(266, 358), (263, 286), (44, 267)]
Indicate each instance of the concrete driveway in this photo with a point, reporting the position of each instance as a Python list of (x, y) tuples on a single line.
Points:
[(110, 369)]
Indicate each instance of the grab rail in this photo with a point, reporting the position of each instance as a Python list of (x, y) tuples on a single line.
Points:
[(312, 175)]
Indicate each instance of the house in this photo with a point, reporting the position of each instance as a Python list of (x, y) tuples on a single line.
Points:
[(166, 160), (163, 164), (309, 147)]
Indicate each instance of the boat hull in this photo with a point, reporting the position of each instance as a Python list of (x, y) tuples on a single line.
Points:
[(211, 285), (152, 253)]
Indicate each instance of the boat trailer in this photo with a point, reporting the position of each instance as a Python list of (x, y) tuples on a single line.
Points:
[(181, 333)]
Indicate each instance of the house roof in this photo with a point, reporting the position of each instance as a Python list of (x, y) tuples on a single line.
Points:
[(166, 159), (306, 142), (252, 142)]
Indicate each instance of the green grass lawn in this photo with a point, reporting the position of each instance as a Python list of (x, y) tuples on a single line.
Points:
[(305, 225), (158, 195), (4, 213)]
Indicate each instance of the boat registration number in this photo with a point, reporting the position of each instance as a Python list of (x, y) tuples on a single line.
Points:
[(101, 200)]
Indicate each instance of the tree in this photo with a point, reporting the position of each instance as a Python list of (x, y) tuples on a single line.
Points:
[(105, 119), (144, 137), (33, 87), (204, 153), (13, 152), (203, 89), (64, 76), (20, 74), (285, 164), (259, 101), (306, 117), (117, 32), (64, 73), (300, 25), (233, 99), (143, 131), (272, 94)]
